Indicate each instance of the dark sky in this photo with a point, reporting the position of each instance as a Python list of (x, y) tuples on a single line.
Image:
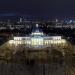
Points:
[(39, 7)]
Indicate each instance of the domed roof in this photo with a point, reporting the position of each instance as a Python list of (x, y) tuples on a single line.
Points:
[(37, 31)]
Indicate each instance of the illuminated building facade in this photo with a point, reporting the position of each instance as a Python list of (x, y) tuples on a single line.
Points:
[(37, 39)]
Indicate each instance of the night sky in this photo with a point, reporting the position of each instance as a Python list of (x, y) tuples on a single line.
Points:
[(38, 7)]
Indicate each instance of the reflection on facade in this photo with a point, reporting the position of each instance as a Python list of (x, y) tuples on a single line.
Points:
[(37, 39)]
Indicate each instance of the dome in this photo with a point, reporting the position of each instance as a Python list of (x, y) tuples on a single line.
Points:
[(37, 31)]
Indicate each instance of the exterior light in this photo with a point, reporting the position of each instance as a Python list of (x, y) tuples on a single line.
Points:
[(38, 39)]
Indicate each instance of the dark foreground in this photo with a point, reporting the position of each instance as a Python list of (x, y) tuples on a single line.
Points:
[(37, 69)]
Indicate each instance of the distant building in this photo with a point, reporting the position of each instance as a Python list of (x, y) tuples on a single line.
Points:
[(37, 39)]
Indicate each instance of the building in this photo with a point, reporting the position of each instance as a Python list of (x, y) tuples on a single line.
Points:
[(37, 39)]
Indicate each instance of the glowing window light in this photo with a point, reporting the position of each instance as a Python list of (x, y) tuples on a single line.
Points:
[(55, 42), (19, 42), (45, 42), (16, 42), (63, 41), (17, 38), (59, 42), (52, 42), (37, 41), (57, 38), (37, 33), (28, 42), (11, 42), (34, 42)]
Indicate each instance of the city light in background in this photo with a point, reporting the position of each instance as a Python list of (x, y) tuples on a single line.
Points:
[(37, 37)]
